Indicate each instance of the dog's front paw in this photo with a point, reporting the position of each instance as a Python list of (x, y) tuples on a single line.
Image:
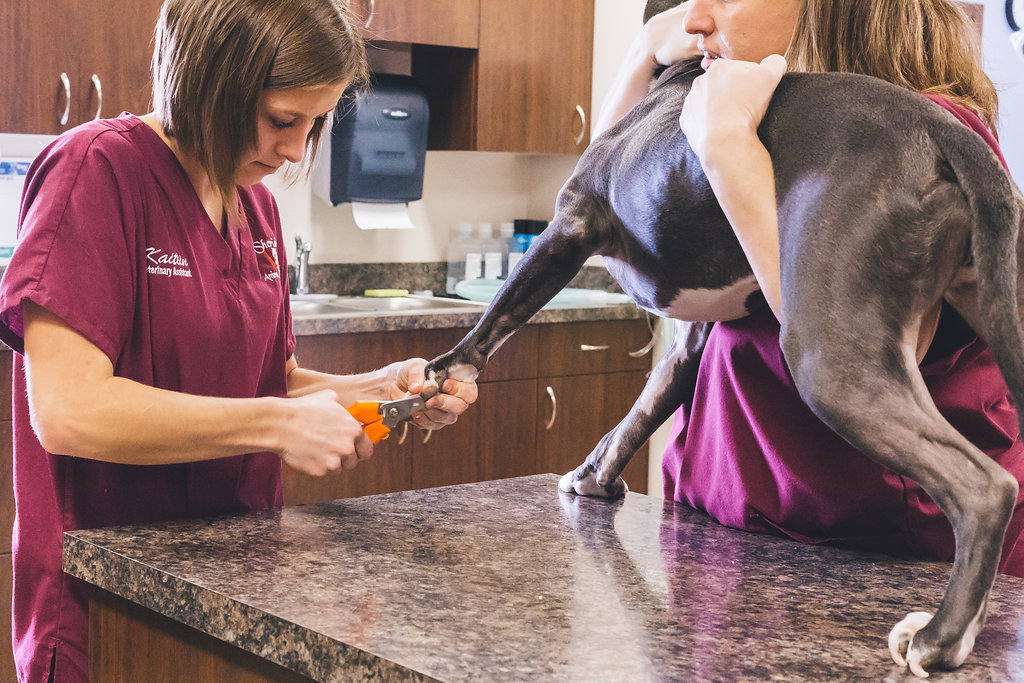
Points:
[(583, 481)]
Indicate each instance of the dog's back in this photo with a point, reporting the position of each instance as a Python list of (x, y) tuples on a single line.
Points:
[(840, 143)]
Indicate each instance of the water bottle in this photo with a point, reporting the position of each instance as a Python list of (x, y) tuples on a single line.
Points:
[(490, 249), (461, 251), (508, 240)]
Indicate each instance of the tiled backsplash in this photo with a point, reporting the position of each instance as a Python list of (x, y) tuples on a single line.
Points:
[(355, 278)]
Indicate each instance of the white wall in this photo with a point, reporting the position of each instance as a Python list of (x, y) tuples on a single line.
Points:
[(1006, 69)]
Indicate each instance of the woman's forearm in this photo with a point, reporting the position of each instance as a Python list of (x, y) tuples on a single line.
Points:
[(367, 386), (78, 407)]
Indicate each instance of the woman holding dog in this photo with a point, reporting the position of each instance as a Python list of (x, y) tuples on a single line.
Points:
[(749, 451), (148, 302)]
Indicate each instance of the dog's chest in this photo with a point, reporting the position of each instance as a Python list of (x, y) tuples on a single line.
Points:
[(699, 304)]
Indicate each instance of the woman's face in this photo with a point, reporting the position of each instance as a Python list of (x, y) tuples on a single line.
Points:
[(286, 116), (741, 29)]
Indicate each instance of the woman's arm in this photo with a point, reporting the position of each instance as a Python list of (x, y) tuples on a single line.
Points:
[(661, 42), (79, 407), (389, 383), (720, 119)]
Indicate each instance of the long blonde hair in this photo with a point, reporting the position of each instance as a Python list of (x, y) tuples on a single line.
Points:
[(214, 57), (923, 45)]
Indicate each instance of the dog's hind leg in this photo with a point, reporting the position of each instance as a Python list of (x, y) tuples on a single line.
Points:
[(868, 389), (671, 385)]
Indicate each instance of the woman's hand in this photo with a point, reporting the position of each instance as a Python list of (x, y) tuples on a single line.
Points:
[(720, 118), (728, 102), (443, 408), (321, 436)]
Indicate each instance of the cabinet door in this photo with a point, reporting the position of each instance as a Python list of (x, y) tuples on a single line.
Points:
[(577, 412), (389, 470), (36, 46), (117, 45), (39, 41), (495, 439), (453, 23), (534, 76)]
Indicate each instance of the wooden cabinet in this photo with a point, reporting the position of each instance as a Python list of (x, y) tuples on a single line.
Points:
[(62, 58), (454, 23), (506, 433), (526, 89)]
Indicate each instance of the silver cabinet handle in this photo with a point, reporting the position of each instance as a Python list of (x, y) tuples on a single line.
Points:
[(590, 347), (639, 353), (66, 82), (99, 95), (583, 124), (373, 11), (554, 407)]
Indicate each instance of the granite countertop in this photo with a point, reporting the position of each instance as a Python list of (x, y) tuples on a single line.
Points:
[(514, 581), (388, 321)]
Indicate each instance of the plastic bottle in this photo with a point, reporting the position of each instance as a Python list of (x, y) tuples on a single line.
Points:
[(490, 249), (462, 251), (508, 241)]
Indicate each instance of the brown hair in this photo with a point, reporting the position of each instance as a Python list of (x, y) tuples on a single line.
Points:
[(213, 58), (923, 45)]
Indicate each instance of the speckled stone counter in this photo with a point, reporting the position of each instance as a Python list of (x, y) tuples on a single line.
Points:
[(387, 321), (514, 581)]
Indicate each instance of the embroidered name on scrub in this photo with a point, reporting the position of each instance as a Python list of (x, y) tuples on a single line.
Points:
[(266, 249), (168, 265)]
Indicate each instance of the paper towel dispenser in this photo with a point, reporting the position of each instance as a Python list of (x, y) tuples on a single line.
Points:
[(377, 149)]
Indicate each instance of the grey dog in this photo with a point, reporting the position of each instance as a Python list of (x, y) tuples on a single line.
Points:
[(886, 206)]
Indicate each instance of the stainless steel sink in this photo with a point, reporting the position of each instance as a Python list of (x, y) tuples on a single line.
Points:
[(351, 306)]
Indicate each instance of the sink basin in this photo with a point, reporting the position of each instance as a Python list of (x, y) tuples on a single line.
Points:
[(409, 303), (352, 306), (308, 308)]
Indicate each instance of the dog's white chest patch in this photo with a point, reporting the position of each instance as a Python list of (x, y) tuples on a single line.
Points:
[(710, 305)]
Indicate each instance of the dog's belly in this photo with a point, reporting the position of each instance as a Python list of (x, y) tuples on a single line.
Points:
[(710, 305)]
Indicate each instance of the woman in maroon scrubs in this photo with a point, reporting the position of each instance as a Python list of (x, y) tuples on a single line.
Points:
[(747, 449), (147, 301)]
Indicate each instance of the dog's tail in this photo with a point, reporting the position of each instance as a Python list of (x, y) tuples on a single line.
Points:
[(996, 206)]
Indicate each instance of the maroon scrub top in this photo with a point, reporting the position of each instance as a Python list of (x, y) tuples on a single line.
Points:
[(753, 455), (114, 240)]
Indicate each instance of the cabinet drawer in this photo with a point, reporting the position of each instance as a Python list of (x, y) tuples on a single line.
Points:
[(588, 348), (365, 351)]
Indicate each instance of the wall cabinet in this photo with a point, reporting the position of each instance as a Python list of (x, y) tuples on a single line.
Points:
[(526, 89), (509, 432), (63, 63), (454, 23), (499, 76)]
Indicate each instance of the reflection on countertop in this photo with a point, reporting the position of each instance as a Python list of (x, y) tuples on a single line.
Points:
[(514, 581)]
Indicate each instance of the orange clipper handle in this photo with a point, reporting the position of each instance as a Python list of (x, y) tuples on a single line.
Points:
[(368, 412)]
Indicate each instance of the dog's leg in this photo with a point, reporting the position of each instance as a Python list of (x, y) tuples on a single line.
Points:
[(871, 393), (582, 227), (671, 385)]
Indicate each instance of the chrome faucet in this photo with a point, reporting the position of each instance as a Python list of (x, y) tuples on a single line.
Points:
[(302, 250)]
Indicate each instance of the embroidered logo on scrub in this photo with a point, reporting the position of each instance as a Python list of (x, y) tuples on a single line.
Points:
[(167, 265), (266, 252)]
